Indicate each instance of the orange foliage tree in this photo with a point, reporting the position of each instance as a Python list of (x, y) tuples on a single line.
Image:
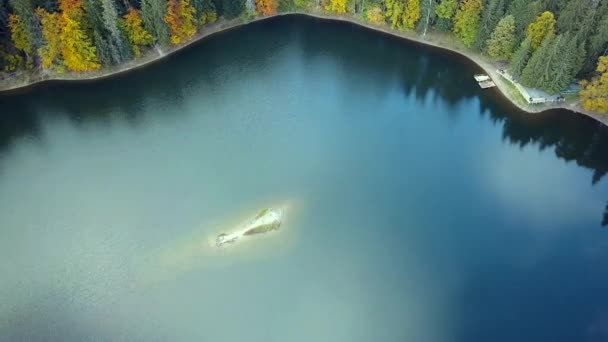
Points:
[(181, 22), (135, 31), (266, 7)]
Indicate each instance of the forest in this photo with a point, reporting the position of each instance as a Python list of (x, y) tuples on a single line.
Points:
[(546, 44)]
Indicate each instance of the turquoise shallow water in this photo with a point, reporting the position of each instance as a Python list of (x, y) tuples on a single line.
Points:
[(421, 208)]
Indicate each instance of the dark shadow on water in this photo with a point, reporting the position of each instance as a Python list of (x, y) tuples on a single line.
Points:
[(501, 299)]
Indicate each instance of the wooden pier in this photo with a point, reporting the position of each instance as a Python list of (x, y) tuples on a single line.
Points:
[(484, 81)]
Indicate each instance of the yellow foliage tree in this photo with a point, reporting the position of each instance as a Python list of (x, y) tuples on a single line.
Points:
[(403, 14), (266, 7), (336, 6), (394, 10), (209, 16), (135, 31), (594, 93), (411, 14), (50, 52), (540, 28), (375, 16), (466, 21), (77, 49), (19, 35)]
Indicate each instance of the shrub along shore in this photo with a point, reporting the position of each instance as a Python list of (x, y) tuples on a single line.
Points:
[(149, 52)]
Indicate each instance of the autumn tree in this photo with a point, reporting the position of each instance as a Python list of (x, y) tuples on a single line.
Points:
[(153, 14), (540, 28), (493, 11), (594, 93), (394, 11), (24, 11), (445, 12), (501, 43), (402, 14), (50, 51), (466, 21), (266, 7), (137, 35), (19, 35), (336, 6), (374, 15), (77, 48), (181, 22), (411, 14), (209, 14)]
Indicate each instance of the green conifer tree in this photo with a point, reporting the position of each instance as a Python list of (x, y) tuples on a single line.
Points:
[(493, 11), (153, 14), (520, 58)]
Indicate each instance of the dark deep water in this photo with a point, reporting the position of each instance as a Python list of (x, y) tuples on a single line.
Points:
[(421, 207)]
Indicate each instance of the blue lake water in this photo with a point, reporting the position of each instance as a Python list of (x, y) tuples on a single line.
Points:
[(421, 208)]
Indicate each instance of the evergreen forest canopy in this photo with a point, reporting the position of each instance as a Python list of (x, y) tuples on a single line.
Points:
[(548, 44)]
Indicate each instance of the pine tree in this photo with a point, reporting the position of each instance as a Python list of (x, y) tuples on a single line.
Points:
[(563, 69), (116, 37), (540, 28), (501, 43), (232, 8), (107, 53), (520, 58), (554, 64), (531, 74), (597, 44), (3, 19), (492, 12), (571, 17), (524, 13), (466, 21), (427, 12), (153, 14)]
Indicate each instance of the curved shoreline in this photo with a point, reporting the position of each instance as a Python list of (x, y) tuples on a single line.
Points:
[(157, 54)]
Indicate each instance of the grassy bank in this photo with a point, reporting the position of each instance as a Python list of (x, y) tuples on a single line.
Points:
[(438, 40)]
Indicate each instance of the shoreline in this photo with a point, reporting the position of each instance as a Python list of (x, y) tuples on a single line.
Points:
[(432, 40)]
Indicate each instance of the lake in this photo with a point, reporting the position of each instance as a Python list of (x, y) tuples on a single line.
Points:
[(420, 207)]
